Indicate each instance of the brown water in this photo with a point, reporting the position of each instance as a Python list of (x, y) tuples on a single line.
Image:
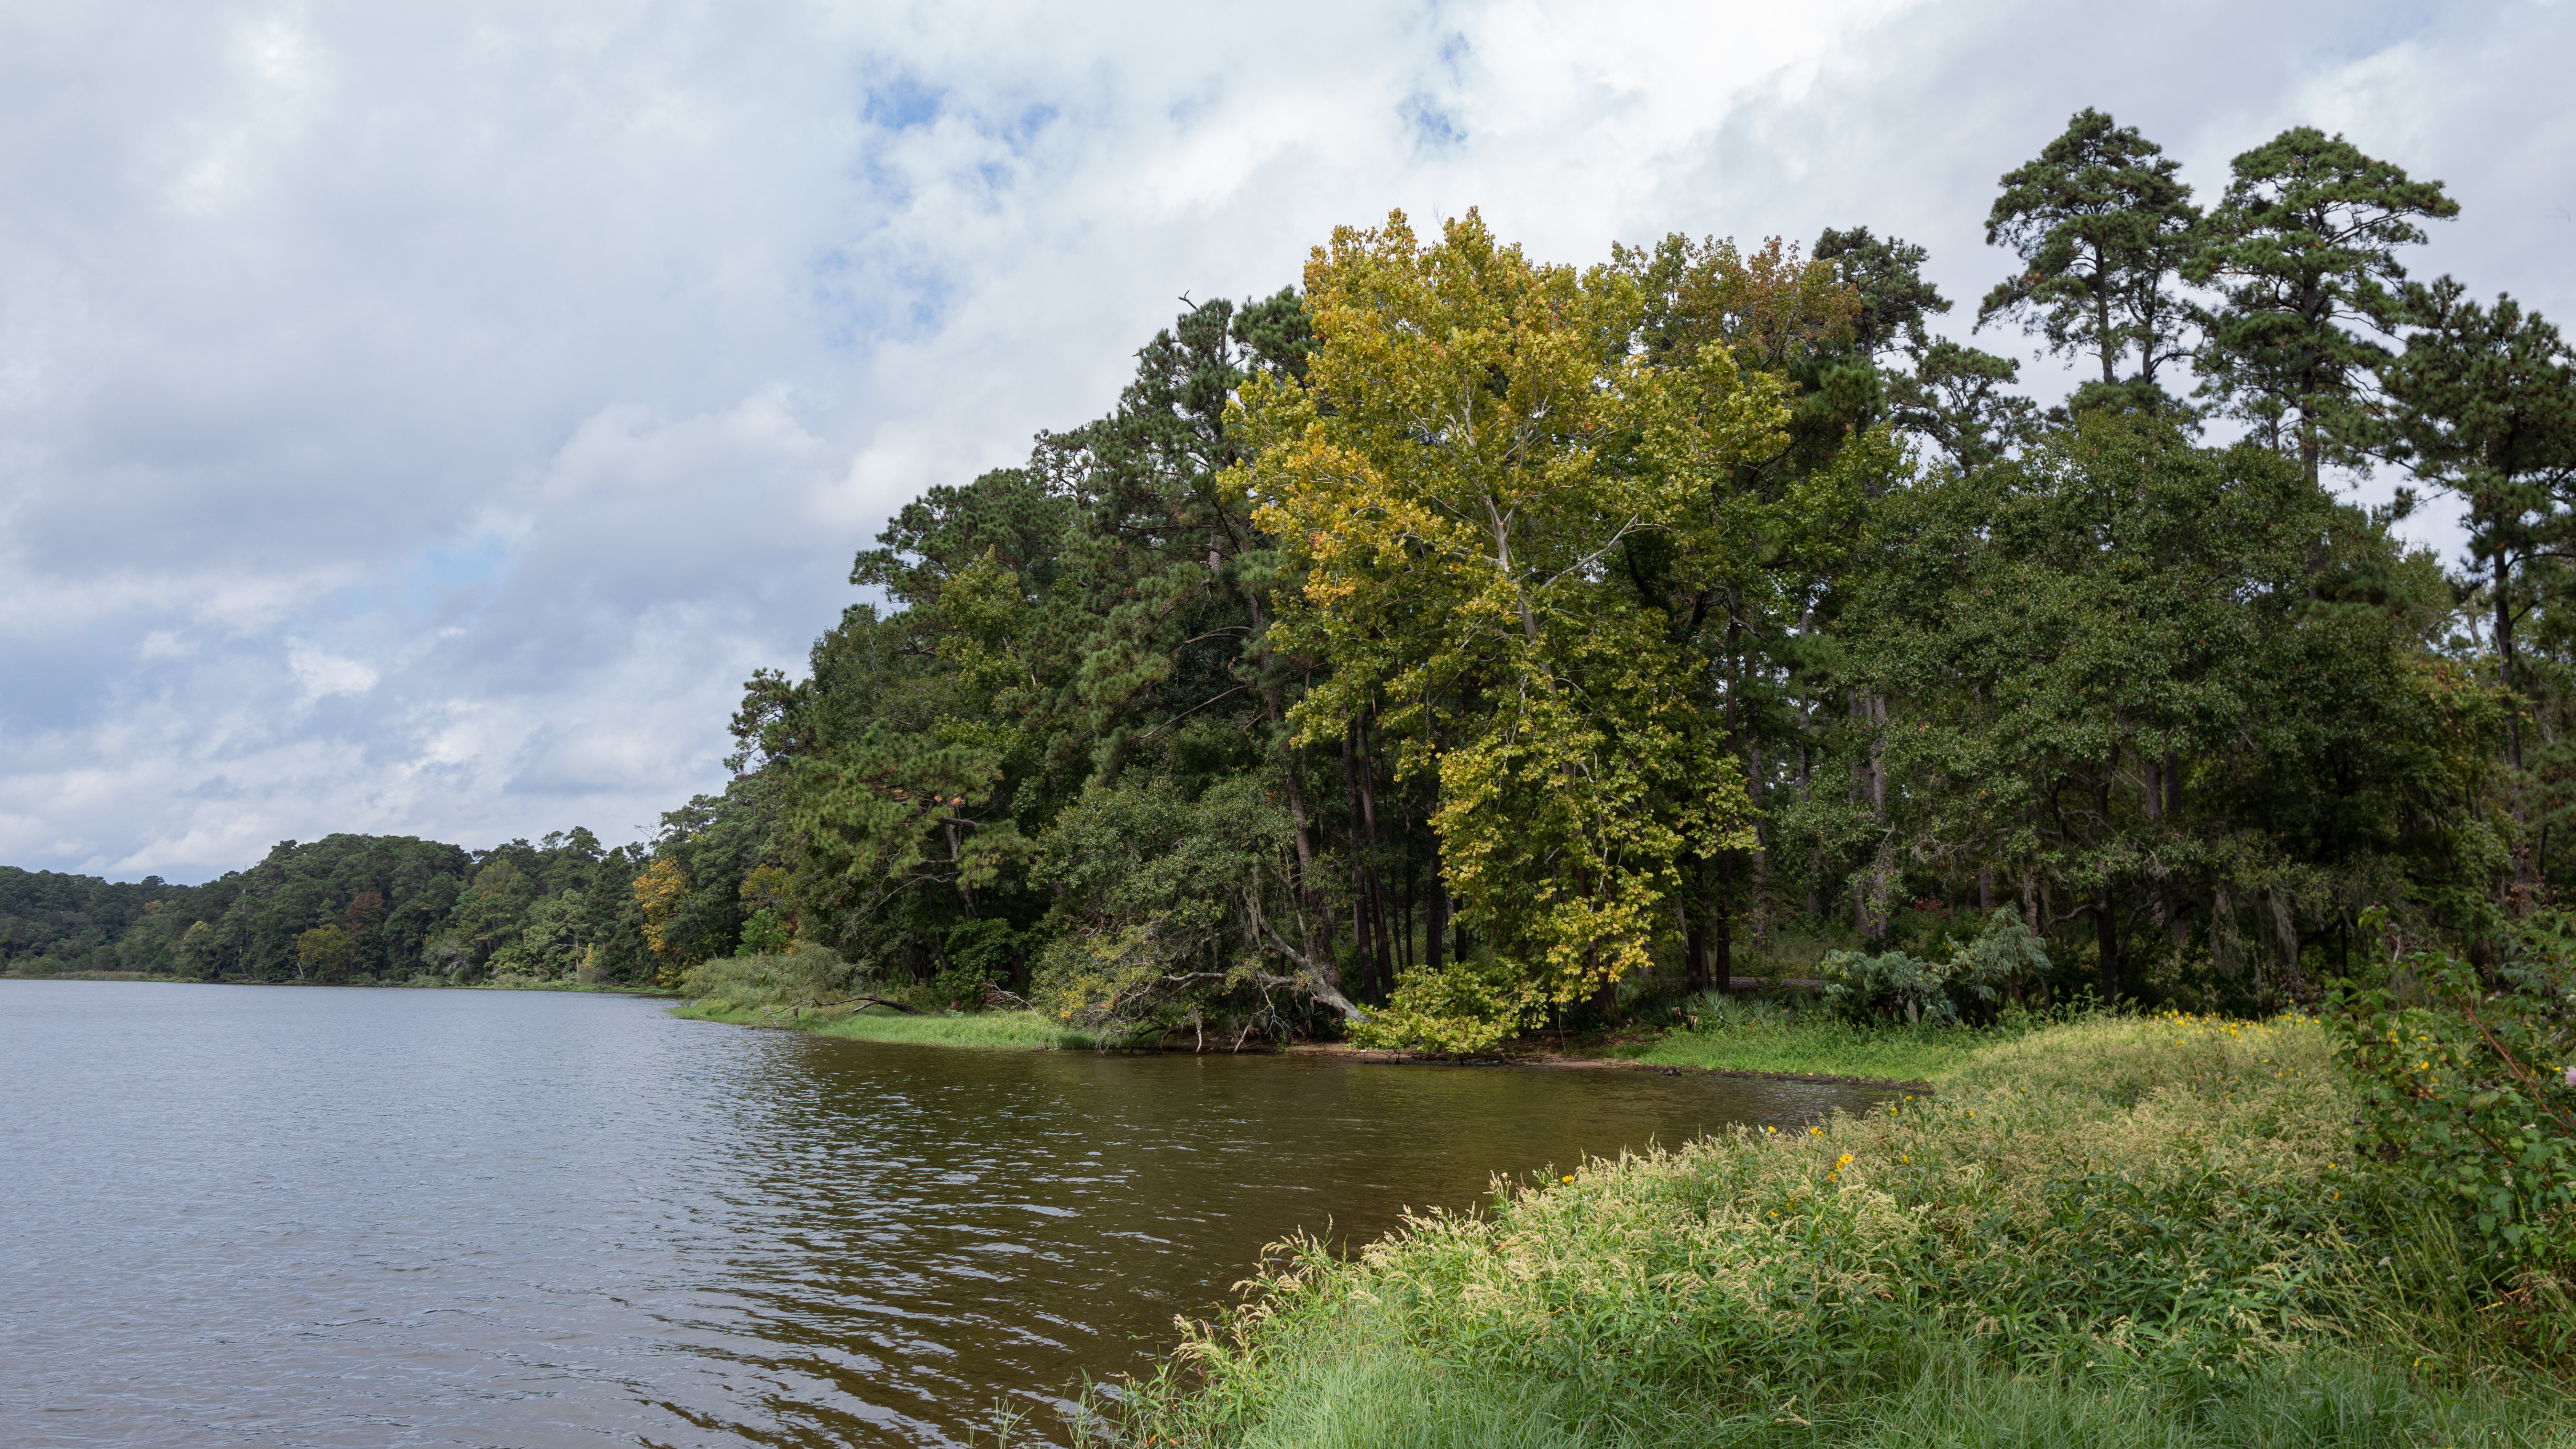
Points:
[(303, 1216)]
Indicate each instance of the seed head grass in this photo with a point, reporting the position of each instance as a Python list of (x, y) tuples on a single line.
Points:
[(2116, 1231)]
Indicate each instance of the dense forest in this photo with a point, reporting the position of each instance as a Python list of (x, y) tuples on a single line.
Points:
[(1461, 643)]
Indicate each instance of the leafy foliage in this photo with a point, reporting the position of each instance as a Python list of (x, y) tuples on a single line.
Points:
[(1458, 470), (1172, 910), (2103, 226), (2004, 959), (2468, 1082), (809, 976), (2304, 249)]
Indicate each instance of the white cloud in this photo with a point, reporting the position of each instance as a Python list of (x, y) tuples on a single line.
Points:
[(321, 675), (420, 418)]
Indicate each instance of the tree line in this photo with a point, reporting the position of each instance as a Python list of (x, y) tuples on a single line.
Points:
[(1461, 642), (359, 908)]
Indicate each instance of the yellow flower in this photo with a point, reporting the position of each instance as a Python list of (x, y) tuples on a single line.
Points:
[(1569, 1177)]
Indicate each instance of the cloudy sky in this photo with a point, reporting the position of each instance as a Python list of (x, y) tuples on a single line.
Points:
[(419, 418)]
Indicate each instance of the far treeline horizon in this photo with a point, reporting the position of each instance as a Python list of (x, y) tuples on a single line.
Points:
[(1465, 643)]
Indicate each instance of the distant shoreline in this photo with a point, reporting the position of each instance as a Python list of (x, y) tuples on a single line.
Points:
[(587, 988)]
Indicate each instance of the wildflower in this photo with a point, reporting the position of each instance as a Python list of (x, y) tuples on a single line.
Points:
[(1569, 1177)]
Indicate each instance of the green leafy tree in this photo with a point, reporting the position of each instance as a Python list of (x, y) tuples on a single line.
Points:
[(1955, 399), (2303, 248), (2177, 694), (2104, 227), (2484, 407), (322, 954), (1053, 626), (52, 922), (302, 886), (1173, 912), (1469, 451), (1885, 275)]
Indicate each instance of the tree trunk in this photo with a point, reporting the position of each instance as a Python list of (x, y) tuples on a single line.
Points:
[(1361, 936), (1722, 967), (1694, 944), (2106, 337), (1309, 899), (1758, 906), (1382, 914), (1806, 779), (1875, 712), (2107, 936), (1435, 920), (2505, 660)]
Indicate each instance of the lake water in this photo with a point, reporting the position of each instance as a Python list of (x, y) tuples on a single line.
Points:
[(315, 1216)]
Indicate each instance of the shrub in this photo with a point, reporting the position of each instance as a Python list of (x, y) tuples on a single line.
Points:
[(2468, 1082), (2003, 958), (764, 934), (808, 976)]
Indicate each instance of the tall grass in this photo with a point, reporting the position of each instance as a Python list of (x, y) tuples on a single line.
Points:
[(2116, 1232), (1388, 1394)]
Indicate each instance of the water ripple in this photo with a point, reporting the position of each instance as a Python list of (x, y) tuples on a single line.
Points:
[(284, 1216)]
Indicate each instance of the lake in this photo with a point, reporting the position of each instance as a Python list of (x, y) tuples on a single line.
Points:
[(334, 1216)]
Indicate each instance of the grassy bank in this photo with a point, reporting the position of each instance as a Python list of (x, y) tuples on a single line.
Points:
[(1811, 1043), (425, 982), (2112, 1232), (1796, 1037), (996, 1030)]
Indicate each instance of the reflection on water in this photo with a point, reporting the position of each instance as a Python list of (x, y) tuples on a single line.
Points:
[(349, 1217)]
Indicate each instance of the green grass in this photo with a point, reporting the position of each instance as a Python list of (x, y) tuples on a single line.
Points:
[(2110, 1232), (521, 983), (1376, 1391), (1756, 1036), (992, 1030), (1822, 1048)]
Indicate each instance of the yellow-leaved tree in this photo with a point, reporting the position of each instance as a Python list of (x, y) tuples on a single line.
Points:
[(660, 890), (1477, 452)]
